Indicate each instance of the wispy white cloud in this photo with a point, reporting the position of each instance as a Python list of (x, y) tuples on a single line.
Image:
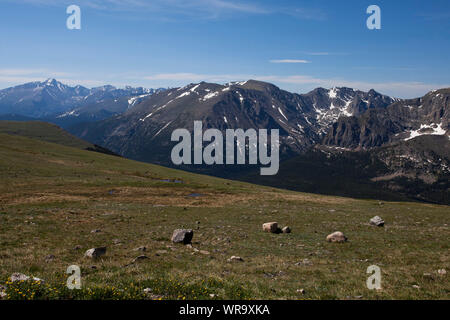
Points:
[(324, 53), (290, 61)]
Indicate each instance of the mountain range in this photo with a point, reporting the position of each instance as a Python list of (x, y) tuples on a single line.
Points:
[(337, 141), (302, 120), (62, 104)]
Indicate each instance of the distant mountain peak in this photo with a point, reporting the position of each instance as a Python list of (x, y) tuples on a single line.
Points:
[(51, 97)]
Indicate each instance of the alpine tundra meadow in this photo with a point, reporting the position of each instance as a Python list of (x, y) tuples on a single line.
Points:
[(223, 158)]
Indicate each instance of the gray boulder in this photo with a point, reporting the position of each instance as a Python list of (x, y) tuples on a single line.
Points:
[(286, 230), (377, 221), (22, 277), (182, 236), (337, 237), (95, 252), (271, 227)]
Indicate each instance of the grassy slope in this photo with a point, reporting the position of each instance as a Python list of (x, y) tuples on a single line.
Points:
[(43, 131), (52, 196)]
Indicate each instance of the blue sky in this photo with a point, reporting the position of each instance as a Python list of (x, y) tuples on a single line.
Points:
[(297, 45)]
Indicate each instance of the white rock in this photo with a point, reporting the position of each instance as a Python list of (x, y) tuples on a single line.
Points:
[(271, 227), (236, 258), (337, 236), (377, 221), (22, 277), (95, 252)]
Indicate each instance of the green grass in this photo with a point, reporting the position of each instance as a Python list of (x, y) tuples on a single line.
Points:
[(43, 131), (52, 196)]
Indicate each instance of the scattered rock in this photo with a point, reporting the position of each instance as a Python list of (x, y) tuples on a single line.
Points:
[(416, 286), (304, 262), (204, 252), (95, 252), (271, 227), (359, 297), (377, 221), (160, 252), (182, 236), (148, 290), (337, 237), (212, 295), (442, 272), (428, 275), (141, 249), (22, 277), (3, 293), (116, 241), (235, 258), (301, 291), (96, 231), (49, 258), (140, 258), (286, 230)]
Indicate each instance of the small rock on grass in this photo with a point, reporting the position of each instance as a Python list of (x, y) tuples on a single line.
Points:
[(377, 221), (235, 258), (301, 291), (95, 252), (182, 236), (271, 227), (286, 230), (304, 262), (337, 237), (49, 258), (140, 258), (442, 272), (22, 277)]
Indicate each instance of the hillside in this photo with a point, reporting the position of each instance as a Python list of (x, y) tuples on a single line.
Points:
[(47, 132), (416, 169), (52, 197)]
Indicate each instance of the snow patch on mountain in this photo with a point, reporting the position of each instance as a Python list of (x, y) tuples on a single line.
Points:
[(425, 129)]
